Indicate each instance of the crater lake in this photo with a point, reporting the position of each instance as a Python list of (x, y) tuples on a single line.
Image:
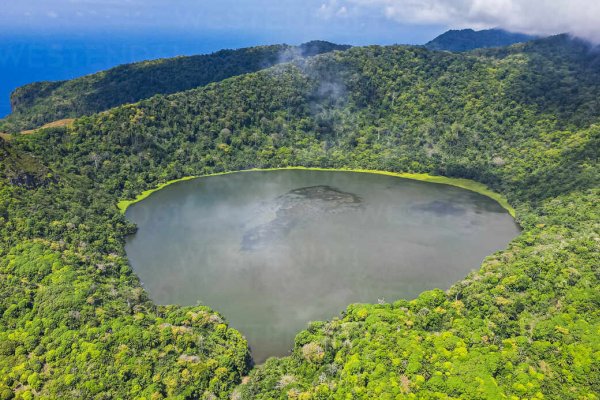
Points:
[(273, 250)]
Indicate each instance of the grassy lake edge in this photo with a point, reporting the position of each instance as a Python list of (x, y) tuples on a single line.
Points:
[(463, 183)]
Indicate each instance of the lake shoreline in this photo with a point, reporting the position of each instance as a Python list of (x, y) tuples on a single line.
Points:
[(463, 183), (274, 250)]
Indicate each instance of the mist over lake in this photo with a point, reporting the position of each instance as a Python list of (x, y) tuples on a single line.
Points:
[(273, 250)]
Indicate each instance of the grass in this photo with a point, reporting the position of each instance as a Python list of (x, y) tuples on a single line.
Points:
[(54, 124), (458, 182), (123, 205)]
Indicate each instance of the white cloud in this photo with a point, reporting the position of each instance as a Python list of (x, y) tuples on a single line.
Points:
[(332, 8), (579, 17)]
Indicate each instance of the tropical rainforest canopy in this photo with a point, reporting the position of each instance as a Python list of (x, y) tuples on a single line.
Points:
[(525, 120), (42, 102)]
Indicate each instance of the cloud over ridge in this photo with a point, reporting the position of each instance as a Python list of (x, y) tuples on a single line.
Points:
[(578, 17)]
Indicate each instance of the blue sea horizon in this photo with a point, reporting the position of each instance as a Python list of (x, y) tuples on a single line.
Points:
[(31, 58)]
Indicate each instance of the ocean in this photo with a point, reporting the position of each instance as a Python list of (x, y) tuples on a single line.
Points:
[(30, 58)]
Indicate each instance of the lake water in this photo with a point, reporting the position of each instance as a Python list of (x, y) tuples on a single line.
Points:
[(273, 250)]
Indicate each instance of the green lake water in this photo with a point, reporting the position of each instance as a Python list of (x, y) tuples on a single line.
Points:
[(273, 250)]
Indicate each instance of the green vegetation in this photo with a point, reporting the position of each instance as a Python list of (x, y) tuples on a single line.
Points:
[(468, 39), (42, 102), (74, 330), (124, 204), (524, 121)]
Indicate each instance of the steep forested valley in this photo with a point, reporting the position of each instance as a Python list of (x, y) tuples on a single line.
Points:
[(75, 322)]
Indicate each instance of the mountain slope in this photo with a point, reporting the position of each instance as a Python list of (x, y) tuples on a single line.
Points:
[(41, 102), (523, 326), (468, 39)]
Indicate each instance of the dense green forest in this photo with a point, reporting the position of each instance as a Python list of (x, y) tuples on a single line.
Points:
[(38, 103), (468, 39), (525, 120)]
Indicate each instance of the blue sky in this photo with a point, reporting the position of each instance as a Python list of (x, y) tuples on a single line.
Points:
[(351, 21), (290, 21)]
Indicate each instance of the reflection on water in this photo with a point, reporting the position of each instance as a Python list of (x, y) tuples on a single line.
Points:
[(274, 250), (441, 207), (295, 207)]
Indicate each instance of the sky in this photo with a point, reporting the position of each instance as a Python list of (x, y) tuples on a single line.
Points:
[(353, 21), (62, 39), (291, 21)]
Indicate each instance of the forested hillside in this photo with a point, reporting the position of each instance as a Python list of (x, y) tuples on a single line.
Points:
[(76, 323), (468, 39), (38, 103)]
